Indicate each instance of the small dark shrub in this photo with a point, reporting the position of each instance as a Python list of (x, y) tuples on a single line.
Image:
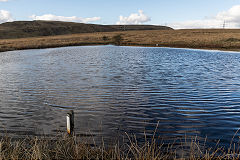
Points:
[(117, 39), (105, 38)]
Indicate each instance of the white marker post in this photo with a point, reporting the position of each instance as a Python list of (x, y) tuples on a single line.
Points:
[(70, 122)]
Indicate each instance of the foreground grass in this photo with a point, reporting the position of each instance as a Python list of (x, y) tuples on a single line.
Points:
[(66, 147), (227, 39)]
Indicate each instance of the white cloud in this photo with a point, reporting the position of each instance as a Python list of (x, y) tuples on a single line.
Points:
[(231, 18), (134, 18), (5, 16), (4, 0), (206, 23), (51, 17)]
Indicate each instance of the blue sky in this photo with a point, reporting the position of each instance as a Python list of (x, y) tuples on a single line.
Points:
[(176, 13)]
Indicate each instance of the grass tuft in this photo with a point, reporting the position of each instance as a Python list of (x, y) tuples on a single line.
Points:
[(66, 147)]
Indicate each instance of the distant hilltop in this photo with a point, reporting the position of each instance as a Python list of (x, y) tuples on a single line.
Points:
[(23, 29)]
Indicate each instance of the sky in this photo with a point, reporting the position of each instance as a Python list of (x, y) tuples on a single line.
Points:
[(178, 14)]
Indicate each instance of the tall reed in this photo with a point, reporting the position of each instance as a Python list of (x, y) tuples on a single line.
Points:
[(69, 147)]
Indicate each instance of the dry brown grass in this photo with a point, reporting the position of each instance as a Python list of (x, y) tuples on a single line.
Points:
[(228, 39), (66, 147)]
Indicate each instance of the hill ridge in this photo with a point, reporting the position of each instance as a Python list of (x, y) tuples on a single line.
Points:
[(24, 29)]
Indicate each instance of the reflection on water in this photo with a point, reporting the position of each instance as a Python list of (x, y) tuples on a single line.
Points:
[(121, 89)]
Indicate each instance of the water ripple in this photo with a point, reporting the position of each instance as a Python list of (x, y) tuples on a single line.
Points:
[(114, 90)]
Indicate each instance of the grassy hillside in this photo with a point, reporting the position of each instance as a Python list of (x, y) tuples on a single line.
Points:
[(23, 29), (202, 39)]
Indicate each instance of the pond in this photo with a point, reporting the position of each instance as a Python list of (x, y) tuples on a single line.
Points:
[(114, 90)]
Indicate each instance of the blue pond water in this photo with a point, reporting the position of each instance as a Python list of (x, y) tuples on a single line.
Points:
[(114, 90)]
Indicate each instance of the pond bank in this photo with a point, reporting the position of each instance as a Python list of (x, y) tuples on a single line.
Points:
[(68, 147), (211, 39)]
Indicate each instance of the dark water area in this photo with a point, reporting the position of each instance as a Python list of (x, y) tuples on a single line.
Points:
[(114, 90)]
